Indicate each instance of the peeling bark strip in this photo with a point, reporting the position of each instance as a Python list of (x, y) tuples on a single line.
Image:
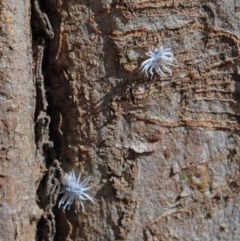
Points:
[(18, 168)]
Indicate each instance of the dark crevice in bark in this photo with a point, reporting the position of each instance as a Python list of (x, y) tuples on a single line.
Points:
[(48, 146), (61, 111), (59, 93)]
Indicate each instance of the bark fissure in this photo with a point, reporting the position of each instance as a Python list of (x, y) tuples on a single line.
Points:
[(47, 193)]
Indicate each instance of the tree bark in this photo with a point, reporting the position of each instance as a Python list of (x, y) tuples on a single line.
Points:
[(162, 152), (19, 171)]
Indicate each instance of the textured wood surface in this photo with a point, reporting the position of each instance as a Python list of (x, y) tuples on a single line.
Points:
[(162, 152), (19, 172)]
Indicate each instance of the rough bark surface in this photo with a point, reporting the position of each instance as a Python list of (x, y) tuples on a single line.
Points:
[(162, 152), (19, 172)]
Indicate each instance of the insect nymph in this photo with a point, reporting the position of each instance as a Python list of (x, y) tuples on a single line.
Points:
[(74, 190), (160, 60)]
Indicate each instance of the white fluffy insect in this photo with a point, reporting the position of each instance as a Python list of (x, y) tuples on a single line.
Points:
[(74, 190), (160, 59)]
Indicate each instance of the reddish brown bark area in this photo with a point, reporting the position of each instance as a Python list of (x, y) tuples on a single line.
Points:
[(19, 171)]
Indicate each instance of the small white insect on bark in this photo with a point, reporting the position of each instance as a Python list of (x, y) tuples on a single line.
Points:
[(74, 190), (160, 60)]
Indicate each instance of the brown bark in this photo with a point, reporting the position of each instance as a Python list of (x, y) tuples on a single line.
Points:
[(163, 152), (19, 172)]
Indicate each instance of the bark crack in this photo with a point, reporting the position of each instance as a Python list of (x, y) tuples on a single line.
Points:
[(48, 189)]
